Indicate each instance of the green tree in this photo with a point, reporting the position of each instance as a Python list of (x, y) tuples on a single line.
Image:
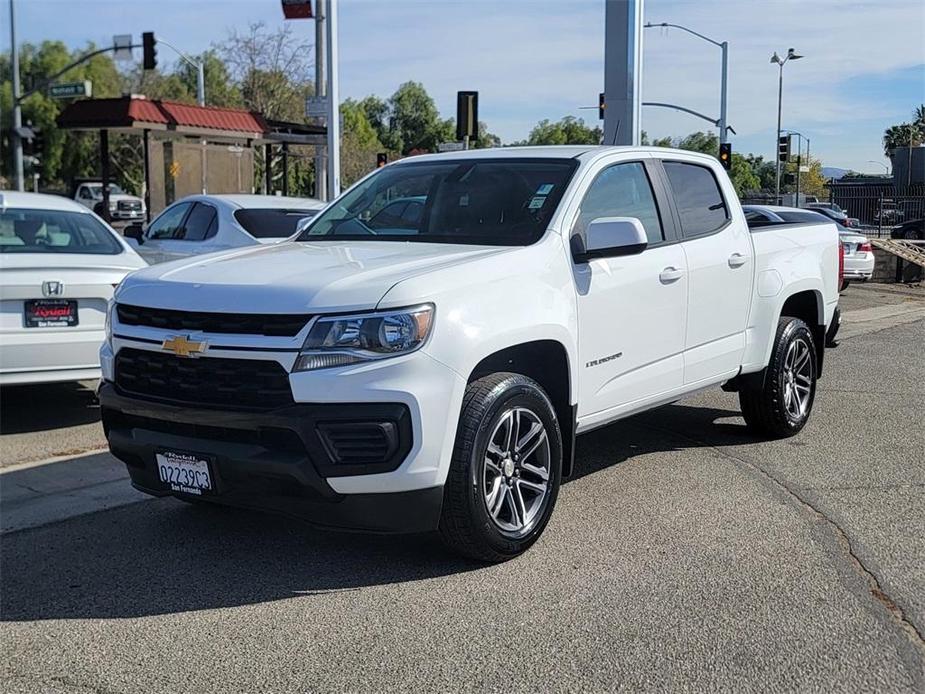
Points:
[(359, 144), (567, 131), (219, 87), (414, 120)]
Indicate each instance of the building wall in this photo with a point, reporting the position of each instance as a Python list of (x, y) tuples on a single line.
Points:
[(176, 170)]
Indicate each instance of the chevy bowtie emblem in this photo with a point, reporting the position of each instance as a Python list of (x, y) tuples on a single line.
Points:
[(183, 347)]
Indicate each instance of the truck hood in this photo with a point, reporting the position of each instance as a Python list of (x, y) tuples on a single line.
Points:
[(291, 277)]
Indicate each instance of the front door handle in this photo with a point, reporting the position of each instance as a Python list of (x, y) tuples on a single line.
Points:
[(670, 274), (737, 260)]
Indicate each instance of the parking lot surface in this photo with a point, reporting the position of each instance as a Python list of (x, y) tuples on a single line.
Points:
[(682, 555)]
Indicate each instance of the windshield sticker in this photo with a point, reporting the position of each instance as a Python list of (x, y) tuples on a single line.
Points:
[(464, 200), (537, 202), (545, 189)]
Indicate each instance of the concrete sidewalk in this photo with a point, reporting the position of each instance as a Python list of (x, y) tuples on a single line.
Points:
[(35, 494)]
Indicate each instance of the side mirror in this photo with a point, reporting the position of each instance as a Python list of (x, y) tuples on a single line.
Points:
[(302, 225), (609, 237), (134, 232)]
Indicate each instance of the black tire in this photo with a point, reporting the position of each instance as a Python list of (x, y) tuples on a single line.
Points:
[(768, 409), (466, 525)]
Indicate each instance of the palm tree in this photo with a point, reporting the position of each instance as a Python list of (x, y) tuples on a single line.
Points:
[(903, 135), (919, 116)]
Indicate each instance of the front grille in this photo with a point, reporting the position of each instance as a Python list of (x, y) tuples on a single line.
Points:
[(230, 383), (276, 325), (129, 205)]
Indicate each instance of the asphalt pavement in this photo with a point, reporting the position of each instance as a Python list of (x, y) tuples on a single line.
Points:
[(683, 555)]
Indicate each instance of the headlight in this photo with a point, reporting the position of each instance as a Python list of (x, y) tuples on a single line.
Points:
[(110, 306), (113, 205), (343, 340)]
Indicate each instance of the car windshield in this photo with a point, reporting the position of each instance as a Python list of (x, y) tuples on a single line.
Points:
[(271, 223), (97, 190), (54, 231), (505, 202)]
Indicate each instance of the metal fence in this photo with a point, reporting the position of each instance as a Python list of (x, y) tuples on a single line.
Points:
[(879, 207)]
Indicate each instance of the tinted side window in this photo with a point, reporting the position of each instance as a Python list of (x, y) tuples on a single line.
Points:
[(622, 190), (170, 223), (198, 223), (698, 197)]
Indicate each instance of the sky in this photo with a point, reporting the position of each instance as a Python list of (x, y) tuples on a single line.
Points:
[(863, 70)]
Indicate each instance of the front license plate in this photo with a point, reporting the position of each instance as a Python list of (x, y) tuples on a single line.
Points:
[(50, 313), (184, 472)]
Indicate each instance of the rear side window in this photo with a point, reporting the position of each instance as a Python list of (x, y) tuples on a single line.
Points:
[(271, 223), (201, 223), (700, 202)]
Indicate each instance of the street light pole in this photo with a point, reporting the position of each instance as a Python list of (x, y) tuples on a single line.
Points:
[(791, 55), (724, 47), (17, 107)]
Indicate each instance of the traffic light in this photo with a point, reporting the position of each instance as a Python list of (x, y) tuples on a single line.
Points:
[(725, 155), (783, 148), (149, 50), (381, 160), (600, 106), (467, 115)]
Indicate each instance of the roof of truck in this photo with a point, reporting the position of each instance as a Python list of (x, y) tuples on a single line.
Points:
[(546, 152)]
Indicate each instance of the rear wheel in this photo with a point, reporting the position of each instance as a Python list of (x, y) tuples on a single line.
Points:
[(781, 406), (506, 469)]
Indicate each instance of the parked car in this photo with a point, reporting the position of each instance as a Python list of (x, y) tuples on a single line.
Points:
[(858, 253), (200, 224), (122, 206), (58, 265), (836, 216), (813, 204), (434, 377)]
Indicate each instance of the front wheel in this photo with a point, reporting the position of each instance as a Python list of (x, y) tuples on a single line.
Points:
[(780, 406), (506, 469)]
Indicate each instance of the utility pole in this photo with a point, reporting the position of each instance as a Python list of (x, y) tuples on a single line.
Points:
[(780, 62), (321, 78), (17, 107), (622, 71), (333, 101)]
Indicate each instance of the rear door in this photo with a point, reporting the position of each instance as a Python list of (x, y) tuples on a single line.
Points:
[(720, 265), (631, 308)]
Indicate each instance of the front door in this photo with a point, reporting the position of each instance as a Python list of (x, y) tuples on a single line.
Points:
[(632, 309)]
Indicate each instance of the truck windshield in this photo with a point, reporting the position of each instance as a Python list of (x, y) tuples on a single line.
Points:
[(504, 202)]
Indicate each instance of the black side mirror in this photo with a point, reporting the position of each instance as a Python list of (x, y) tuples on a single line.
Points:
[(134, 231)]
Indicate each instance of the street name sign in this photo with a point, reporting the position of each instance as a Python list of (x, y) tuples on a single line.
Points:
[(450, 147), (69, 90)]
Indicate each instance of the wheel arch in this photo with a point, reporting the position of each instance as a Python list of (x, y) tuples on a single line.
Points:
[(546, 362), (808, 306)]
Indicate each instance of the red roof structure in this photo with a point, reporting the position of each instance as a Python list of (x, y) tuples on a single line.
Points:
[(138, 112)]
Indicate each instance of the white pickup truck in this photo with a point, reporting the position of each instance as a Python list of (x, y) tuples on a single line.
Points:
[(427, 366)]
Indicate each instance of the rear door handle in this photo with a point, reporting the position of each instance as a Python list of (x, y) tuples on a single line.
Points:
[(737, 260), (670, 274)]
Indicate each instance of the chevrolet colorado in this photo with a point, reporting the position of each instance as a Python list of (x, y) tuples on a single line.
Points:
[(423, 353)]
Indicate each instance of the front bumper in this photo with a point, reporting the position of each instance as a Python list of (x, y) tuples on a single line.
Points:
[(272, 460)]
